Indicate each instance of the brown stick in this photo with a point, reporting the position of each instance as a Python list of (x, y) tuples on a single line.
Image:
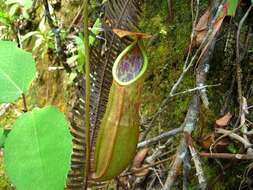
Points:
[(24, 103), (227, 156)]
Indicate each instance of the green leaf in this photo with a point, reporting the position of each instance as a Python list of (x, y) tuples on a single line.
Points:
[(4, 19), (231, 148), (17, 70), (38, 150), (27, 4), (252, 2), (95, 30), (232, 6), (29, 35)]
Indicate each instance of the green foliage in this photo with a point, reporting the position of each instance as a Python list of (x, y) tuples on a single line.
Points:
[(232, 6), (38, 150), (42, 38), (232, 148), (25, 5), (78, 52), (5, 19), (17, 70)]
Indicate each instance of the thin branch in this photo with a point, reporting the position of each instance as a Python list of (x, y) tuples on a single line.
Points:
[(146, 167), (221, 137), (167, 134), (170, 9), (238, 66), (205, 44), (199, 88), (199, 169), (226, 156), (186, 170), (188, 125), (165, 101), (232, 135), (58, 42), (25, 109)]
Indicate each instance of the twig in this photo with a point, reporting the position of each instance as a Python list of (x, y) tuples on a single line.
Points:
[(187, 66), (162, 106), (188, 125), (226, 156), (76, 18), (199, 88), (246, 143), (221, 137), (24, 103), (238, 67), (176, 165), (58, 42), (186, 170), (170, 9), (60, 68), (199, 169), (120, 183), (136, 170), (167, 134)]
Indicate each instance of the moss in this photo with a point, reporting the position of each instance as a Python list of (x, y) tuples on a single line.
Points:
[(4, 183), (166, 58)]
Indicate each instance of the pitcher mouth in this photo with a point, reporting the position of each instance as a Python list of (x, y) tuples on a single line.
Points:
[(130, 65)]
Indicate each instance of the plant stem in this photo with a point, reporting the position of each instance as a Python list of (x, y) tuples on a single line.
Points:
[(24, 103), (87, 88)]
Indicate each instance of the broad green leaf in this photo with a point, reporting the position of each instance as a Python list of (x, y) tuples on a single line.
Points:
[(232, 6), (17, 70), (252, 2), (38, 150)]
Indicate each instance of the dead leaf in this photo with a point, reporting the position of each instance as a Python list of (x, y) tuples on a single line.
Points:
[(201, 27), (202, 23), (141, 172), (210, 138), (123, 33), (139, 158), (224, 121), (207, 140)]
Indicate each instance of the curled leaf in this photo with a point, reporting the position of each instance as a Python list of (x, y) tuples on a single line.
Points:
[(139, 158), (207, 140), (141, 171), (224, 121), (123, 33)]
